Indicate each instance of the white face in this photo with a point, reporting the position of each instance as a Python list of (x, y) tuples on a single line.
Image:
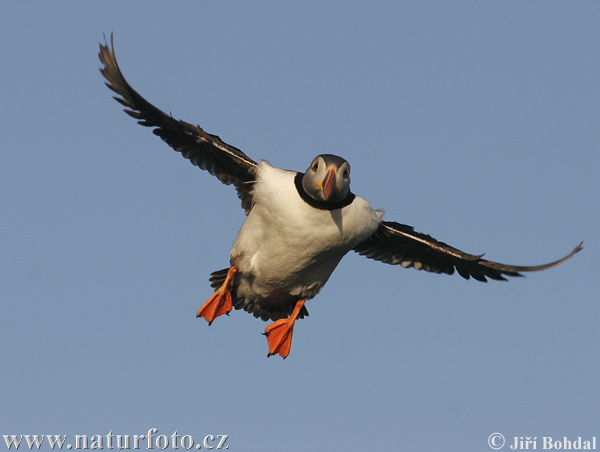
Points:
[(327, 178)]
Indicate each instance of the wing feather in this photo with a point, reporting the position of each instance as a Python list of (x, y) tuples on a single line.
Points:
[(398, 244), (207, 151)]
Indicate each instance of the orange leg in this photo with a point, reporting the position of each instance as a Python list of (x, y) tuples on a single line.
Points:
[(279, 333), (220, 302)]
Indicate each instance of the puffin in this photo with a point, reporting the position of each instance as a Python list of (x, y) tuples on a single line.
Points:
[(298, 225)]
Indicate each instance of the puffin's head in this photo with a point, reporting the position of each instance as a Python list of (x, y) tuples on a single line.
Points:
[(327, 178)]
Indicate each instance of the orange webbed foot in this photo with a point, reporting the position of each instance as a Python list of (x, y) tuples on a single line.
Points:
[(279, 333), (220, 302)]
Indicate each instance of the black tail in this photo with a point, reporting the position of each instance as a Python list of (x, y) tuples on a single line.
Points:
[(273, 309), (218, 278)]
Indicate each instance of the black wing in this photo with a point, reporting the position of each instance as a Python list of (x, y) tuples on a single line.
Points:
[(207, 151), (398, 244)]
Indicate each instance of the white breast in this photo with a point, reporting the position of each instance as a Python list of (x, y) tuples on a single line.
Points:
[(286, 245)]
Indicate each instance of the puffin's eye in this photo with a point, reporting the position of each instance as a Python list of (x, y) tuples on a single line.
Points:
[(315, 166), (346, 173)]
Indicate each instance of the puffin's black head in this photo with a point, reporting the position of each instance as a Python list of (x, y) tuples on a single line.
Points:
[(327, 178)]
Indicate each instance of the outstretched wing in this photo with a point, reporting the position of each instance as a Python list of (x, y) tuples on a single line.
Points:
[(207, 151), (398, 244)]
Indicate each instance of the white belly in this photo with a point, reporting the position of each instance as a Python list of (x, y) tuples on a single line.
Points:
[(287, 246)]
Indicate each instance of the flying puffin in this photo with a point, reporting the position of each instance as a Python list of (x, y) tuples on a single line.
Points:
[(298, 225)]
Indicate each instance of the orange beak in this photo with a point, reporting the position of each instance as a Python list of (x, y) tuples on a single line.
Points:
[(329, 184)]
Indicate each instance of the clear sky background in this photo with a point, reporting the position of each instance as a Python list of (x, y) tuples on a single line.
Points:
[(475, 122)]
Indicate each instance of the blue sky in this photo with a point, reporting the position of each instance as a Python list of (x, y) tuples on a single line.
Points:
[(476, 122)]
